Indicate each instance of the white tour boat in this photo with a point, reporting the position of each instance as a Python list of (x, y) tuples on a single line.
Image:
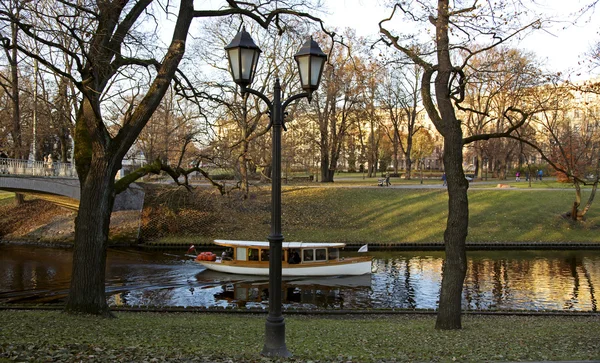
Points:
[(298, 259)]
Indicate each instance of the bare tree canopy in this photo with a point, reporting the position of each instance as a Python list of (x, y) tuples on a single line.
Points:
[(115, 53)]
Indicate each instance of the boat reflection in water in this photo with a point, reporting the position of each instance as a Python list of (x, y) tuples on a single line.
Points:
[(508, 280), (298, 292)]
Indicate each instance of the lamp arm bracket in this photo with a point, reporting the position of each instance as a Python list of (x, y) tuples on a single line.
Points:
[(294, 98), (290, 100), (260, 95)]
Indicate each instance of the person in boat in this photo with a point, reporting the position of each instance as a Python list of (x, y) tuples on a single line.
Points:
[(252, 254), (227, 254), (294, 257), (264, 255)]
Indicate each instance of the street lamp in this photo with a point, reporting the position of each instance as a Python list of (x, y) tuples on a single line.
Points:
[(243, 57)]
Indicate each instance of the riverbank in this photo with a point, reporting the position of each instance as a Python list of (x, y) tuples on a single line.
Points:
[(406, 217), (194, 337)]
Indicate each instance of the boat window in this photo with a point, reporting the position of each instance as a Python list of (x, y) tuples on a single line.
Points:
[(334, 253), (307, 255), (264, 255), (252, 254), (240, 254), (321, 254), (293, 256)]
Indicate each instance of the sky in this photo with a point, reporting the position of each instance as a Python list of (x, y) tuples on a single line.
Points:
[(562, 46)]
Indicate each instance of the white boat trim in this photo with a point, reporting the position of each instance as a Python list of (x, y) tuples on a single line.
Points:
[(351, 267), (265, 244)]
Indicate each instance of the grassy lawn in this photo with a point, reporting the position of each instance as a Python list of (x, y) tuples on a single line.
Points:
[(6, 198), (396, 216), (349, 211), (55, 336)]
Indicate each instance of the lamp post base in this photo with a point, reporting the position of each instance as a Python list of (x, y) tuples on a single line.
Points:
[(275, 338)]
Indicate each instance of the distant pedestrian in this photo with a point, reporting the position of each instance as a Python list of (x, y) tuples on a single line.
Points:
[(387, 179), (3, 162), (540, 174), (444, 181), (518, 176), (527, 176), (49, 165)]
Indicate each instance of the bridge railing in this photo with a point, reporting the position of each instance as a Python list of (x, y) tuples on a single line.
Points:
[(37, 168)]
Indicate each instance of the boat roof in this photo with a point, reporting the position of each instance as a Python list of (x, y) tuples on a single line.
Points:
[(265, 244)]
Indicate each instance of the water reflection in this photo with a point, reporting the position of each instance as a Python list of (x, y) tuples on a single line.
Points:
[(540, 280)]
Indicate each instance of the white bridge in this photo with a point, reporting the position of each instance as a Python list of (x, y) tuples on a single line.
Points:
[(58, 183)]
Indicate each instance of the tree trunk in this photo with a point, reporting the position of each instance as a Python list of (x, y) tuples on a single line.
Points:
[(409, 147), (455, 235), (326, 176), (19, 199), (86, 292), (408, 167), (396, 151), (243, 161), (15, 133), (330, 175), (577, 202), (590, 200), (266, 174)]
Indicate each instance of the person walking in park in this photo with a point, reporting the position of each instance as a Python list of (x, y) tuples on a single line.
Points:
[(444, 181), (49, 165), (3, 162), (540, 174), (518, 176)]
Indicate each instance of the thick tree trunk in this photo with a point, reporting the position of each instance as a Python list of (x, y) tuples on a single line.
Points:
[(455, 235), (19, 199), (326, 176), (408, 163), (87, 293)]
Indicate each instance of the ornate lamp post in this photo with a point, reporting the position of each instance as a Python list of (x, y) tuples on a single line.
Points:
[(243, 57)]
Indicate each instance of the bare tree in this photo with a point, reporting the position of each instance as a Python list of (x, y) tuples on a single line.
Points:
[(470, 25), (569, 138), (10, 34), (113, 51), (336, 105), (401, 100), (496, 80)]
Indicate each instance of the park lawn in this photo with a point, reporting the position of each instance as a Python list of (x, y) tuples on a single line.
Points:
[(56, 336), (398, 216), (359, 215), (6, 198)]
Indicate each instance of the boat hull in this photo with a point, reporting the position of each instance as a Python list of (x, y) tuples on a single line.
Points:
[(352, 266)]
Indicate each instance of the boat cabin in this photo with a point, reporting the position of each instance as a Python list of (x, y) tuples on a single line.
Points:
[(292, 252)]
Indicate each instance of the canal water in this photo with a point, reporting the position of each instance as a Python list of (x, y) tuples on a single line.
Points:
[(506, 280)]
